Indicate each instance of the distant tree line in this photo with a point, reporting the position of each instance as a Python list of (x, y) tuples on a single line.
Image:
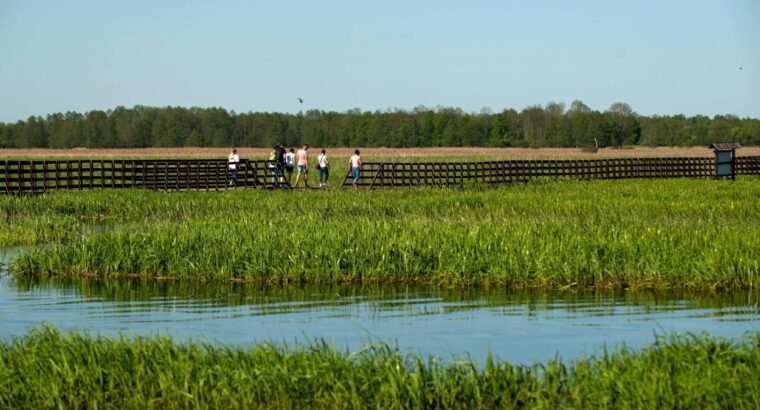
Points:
[(551, 125)]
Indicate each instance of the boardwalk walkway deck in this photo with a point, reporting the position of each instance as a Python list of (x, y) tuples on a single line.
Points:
[(444, 174), (30, 177)]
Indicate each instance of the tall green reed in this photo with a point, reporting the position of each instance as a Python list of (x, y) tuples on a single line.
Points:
[(678, 233), (47, 368)]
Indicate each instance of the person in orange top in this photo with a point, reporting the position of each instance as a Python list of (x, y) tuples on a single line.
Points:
[(302, 159)]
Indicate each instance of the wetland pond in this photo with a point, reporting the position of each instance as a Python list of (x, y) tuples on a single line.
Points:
[(522, 327)]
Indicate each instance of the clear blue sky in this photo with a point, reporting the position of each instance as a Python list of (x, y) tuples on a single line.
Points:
[(661, 57)]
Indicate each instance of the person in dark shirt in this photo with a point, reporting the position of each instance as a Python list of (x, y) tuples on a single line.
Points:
[(279, 161)]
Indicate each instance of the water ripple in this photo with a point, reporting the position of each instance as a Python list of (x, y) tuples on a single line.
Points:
[(519, 326)]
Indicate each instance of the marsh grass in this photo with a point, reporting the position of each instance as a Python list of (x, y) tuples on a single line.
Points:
[(563, 234), (47, 368)]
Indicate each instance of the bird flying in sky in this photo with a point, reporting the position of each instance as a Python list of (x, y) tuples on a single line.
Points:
[(300, 100)]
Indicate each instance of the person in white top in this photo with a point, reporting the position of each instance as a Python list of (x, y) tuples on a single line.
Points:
[(324, 169), (290, 159), (355, 162), (232, 162)]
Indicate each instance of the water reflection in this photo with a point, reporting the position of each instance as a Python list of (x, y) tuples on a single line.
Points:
[(521, 326), (400, 301)]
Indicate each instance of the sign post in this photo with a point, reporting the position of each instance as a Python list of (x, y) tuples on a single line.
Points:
[(725, 159)]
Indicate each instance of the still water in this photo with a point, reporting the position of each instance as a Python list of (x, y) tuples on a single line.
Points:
[(522, 327)]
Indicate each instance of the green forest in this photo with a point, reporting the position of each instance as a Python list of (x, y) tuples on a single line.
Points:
[(551, 125)]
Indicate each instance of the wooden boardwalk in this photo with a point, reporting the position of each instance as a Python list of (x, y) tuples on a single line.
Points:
[(31, 177), (447, 174)]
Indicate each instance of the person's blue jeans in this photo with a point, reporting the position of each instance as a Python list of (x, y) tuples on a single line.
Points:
[(356, 173), (233, 176), (324, 173)]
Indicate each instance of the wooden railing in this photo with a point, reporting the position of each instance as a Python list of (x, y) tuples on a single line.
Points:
[(748, 165), (29, 177), (21, 177), (441, 174)]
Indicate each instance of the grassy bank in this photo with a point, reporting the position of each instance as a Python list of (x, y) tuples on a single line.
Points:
[(650, 234), (47, 368)]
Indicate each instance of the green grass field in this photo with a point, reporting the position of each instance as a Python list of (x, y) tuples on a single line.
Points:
[(641, 234), (50, 369)]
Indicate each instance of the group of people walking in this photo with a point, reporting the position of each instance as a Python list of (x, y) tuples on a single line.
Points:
[(283, 163)]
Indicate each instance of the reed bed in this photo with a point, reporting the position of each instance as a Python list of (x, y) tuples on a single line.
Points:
[(375, 154), (51, 369), (548, 234)]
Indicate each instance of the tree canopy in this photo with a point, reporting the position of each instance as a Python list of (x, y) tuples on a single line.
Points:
[(551, 125)]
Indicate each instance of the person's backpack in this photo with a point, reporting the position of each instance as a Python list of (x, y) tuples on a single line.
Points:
[(271, 156)]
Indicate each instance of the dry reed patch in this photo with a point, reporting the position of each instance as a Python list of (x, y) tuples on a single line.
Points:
[(372, 153)]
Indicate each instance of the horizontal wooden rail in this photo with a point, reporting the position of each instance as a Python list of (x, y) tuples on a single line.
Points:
[(30, 177), (446, 174)]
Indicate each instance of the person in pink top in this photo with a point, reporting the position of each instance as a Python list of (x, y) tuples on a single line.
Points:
[(355, 162), (302, 161)]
